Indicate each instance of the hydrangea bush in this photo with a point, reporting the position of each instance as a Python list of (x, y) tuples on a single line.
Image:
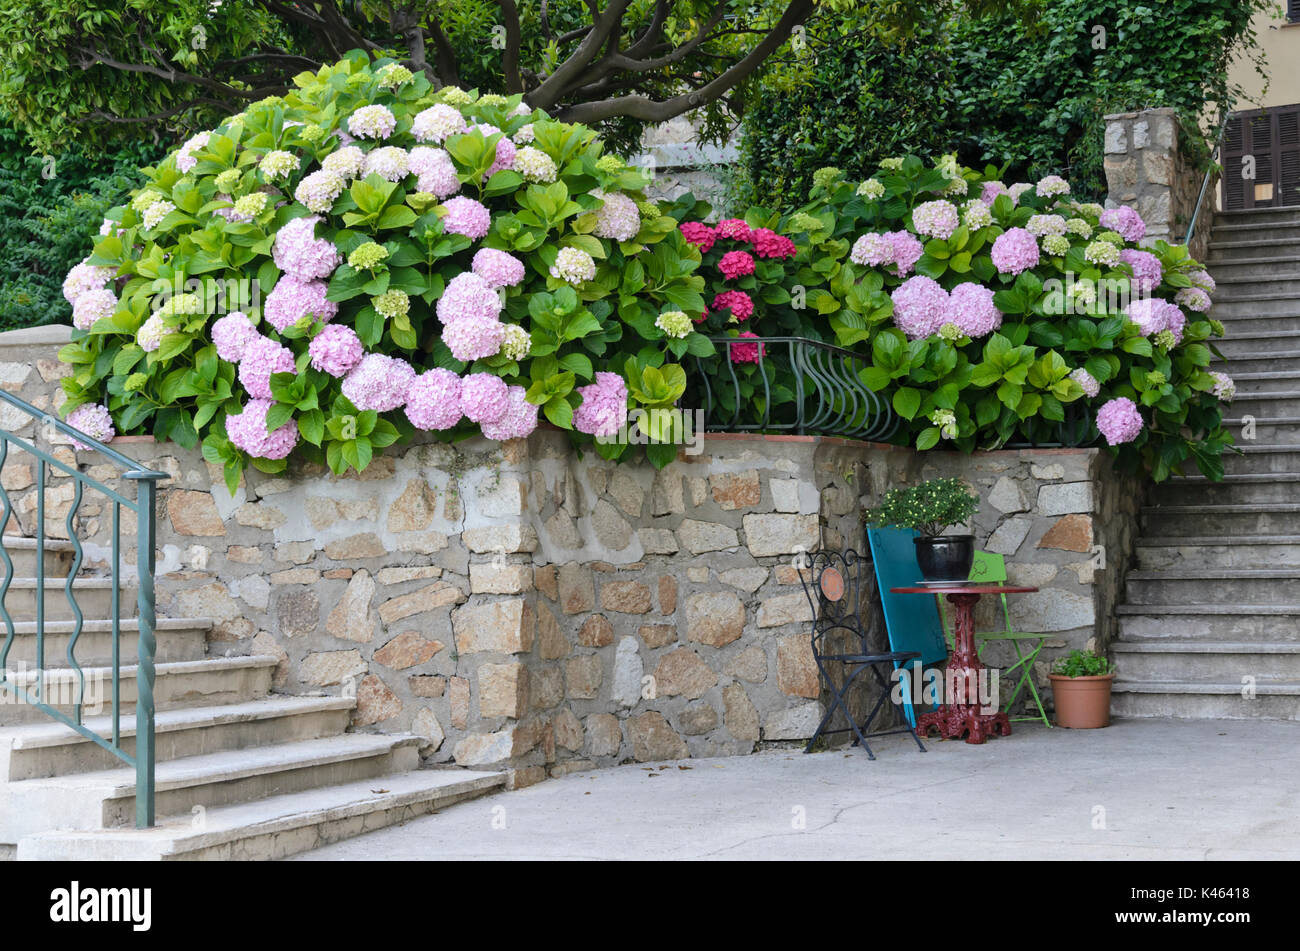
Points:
[(996, 314), (328, 273)]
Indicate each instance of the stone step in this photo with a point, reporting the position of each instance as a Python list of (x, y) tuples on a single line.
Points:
[(1218, 621), (1272, 402), (1204, 661), (1272, 701), (1255, 317), (1280, 429), (1219, 521), (1264, 231), (177, 639), (1239, 247), (1231, 490), (106, 799), (1260, 269), (185, 684), (1260, 459), (93, 595), (1249, 382), (1242, 339), (1250, 585), (22, 552), (1225, 551), (50, 748), (276, 827), (1260, 361), (1283, 214)]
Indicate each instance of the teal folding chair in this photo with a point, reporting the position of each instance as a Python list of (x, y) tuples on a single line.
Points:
[(989, 567), (912, 621)]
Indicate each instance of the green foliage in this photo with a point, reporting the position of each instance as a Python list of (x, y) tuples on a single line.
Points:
[(1082, 663), (992, 88), (1061, 318), (181, 260), (50, 208), (928, 507)]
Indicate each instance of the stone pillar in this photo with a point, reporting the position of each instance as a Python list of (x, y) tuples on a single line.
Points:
[(1148, 167)]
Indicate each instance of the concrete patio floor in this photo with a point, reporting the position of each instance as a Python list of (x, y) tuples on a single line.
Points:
[(1140, 789)]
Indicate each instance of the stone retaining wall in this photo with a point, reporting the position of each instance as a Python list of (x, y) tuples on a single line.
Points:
[(518, 604)]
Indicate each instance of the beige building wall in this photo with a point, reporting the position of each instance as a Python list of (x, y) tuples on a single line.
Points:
[(1281, 43)]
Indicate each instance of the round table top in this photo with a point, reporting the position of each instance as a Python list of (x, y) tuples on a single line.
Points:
[(958, 588)]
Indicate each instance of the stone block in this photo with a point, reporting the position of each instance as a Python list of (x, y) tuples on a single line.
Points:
[(1069, 533), (683, 672), (502, 690), (502, 627), (779, 534), (625, 597), (1065, 498), (653, 739), (715, 618)]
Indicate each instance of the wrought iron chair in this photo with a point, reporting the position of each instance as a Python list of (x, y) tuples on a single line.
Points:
[(832, 583)]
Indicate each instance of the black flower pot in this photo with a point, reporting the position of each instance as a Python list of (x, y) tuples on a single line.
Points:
[(945, 557)]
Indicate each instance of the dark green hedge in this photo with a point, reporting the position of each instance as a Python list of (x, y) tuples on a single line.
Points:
[(46, 223), (993, 89)]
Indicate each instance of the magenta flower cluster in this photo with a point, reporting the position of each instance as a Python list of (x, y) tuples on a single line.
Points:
[(299, 252), (335, 350), (262, 358), (1014, 251), (293, 299), (378, 383), (94, 420), (1124, 221)]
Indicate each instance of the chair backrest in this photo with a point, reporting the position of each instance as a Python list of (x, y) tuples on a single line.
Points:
[(988, 566), (832, 583), (912, 620)]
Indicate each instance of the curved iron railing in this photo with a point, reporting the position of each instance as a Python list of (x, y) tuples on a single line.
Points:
[(829, 397), (33, 689)]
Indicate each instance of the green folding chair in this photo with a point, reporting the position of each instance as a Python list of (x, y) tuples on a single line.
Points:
[(991, 567)]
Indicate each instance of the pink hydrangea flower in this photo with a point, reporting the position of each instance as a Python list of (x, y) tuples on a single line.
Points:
[(505, 149), (1193, 298), (698, 234), (1147, 272), (92, 306), (1014, 251), (907, 250), (740, 303), (618, 218), (936, 219), (735, 229), (434, 170), (1050, 185), (990, 192), (473, 337), (335, 350), (920, 306), (299, 252), (497, 268), (747, 352), (434, 400), (263, 357), (769, 244), (1224, 387), (1175, 321), (603, 410), (1149, 314), (378, 383), (437, 123), (484, 397), (466, 216), (291, 300), (1125, 221), (372, 122), (518, 421), (1087, 381), (232, 334), (1119, 421), (872, 250), (973, 310), (85, 277), (468, 294), (735, 264), (94, 420), (247, 431)]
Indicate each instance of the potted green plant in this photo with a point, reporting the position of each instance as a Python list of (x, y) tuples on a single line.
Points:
[(1081, 683), (929, 508)]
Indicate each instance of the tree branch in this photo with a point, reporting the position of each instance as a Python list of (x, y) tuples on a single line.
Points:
[(552, 89), (510, 55)]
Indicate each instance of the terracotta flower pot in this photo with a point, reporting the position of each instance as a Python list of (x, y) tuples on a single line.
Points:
[(1082, 703)]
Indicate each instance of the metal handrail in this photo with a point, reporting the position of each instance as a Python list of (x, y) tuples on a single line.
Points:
[(830, 397), (144, 506), (1209, 171)]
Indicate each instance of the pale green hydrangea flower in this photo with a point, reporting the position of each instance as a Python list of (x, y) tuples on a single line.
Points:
[(391, 304), (674, 323), (367, 256)]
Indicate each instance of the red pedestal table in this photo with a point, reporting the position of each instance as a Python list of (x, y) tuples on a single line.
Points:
[(952, 720)]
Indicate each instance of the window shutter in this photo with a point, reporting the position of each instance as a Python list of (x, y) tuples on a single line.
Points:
[(1288, 155)]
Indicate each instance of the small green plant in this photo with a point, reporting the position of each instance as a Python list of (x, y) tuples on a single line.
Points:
[(928, 507), (1082, 663)]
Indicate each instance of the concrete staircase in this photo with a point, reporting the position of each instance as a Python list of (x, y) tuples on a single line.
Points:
[(241, 773), (1214, 602)]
